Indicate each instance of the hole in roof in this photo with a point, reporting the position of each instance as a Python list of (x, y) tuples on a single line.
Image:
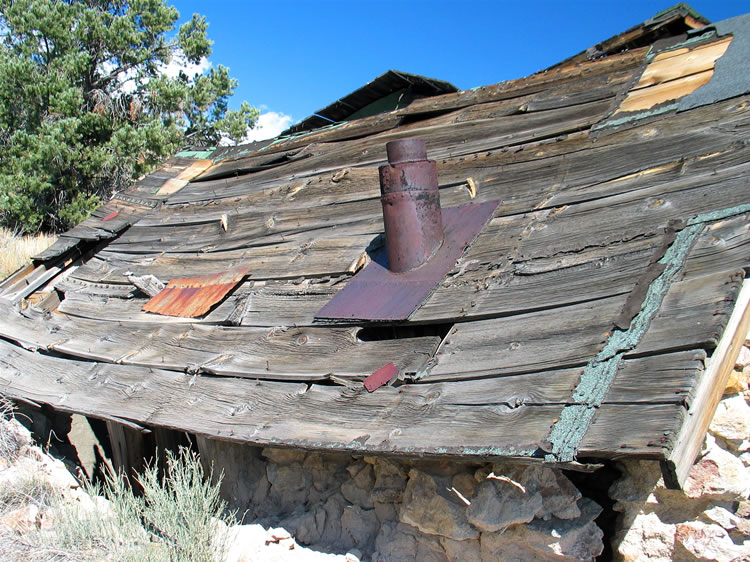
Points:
[(381, 333)]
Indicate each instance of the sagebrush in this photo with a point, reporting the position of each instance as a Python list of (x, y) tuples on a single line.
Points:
[(178, 516)]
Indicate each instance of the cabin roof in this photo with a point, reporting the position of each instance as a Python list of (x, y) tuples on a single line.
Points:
[(593, 317)]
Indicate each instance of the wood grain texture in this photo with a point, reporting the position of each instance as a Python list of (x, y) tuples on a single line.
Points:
[(708, 392), (535, 341)]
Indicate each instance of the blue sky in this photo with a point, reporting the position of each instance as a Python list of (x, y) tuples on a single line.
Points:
[(293, 57)]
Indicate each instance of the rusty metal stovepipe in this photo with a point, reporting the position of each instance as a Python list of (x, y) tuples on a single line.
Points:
[(411, 205)]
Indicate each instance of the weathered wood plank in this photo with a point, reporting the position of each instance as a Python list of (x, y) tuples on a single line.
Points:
[(593, 85), (633, 214), (723, 246), (270, 353), (549, 339), (631, 430), (272, 413), (541, 388), (697, 309), (509, 289), (657, 379), (449, 140), (708, 393)]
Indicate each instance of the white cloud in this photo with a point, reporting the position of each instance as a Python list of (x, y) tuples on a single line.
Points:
[(126, 80), (269, 125), (179, 63)]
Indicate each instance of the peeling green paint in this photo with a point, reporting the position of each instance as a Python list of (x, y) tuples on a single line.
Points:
[(197, 154), (680, 6), (599, 373), (634, 116), (712, 216)]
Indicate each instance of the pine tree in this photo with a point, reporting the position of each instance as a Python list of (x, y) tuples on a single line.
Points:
[(86, 105)]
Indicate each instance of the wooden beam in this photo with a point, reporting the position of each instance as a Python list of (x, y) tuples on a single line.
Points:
[(709, 391)]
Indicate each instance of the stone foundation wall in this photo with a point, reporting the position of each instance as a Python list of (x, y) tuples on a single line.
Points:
[(383, 509), (710, 519)]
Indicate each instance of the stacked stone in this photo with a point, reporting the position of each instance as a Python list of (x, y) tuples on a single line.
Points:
[(383, 509), (710, 520)]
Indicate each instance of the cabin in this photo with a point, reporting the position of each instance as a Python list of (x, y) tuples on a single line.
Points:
[(572, 295)]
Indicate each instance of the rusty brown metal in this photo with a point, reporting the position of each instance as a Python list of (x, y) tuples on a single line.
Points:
[(378, 294), (381, 376), (411, 205), (190, 297)]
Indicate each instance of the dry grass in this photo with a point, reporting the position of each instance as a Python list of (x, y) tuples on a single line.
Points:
[(15, 251), (178, 518)]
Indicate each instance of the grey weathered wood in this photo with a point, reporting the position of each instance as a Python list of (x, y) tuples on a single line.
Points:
[(147, 284), (665, 378), (129, 453), (490, 291), (272, 353), (267, 413), (707, 393), (644, 431), (697, 309), (722, 246), (561, 337)]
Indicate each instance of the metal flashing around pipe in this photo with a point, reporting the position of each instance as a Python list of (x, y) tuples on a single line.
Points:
[(418, 254)]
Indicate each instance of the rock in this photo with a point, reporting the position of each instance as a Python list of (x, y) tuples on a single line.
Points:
[(284, 456), (465, 483), (287, 479), (356, 495), (513, 494), (395, 541), (461, 551), (403, 543), (259, 503), (307, 526), (639, 480), (433, 512), (743, 359), (572, 539), (719, 475), (647, 537), (706, 542), (559, 495), (359, 527), (326, 471), (22, 520), (358, 490), (334, 509), (390, 481), (243, 468), (498, 504), (722, 517), (386, 511), (737, 383), (731, 422)]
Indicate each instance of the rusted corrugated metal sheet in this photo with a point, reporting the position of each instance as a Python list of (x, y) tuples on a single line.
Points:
[(190, 297), (378, 294)]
